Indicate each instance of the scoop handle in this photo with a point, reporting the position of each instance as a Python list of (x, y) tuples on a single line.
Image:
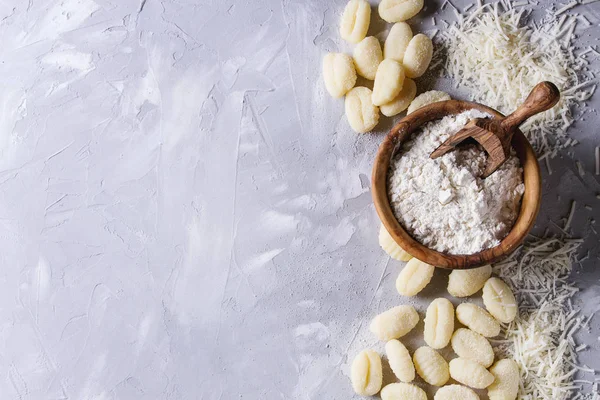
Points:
[(543, 97)]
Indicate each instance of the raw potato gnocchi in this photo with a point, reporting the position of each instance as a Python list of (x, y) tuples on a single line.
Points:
[(472, 346), (506, 383), (394, 323), (417, 56), (397, 41), (338, 73), (470, 373), (499, 300), (355, 21), (402, 100), (414, 277), (389, 80), (400, 361), (433, 96), (455, 392), (402, 391), (361, 113), (367, 57), (477, 319), (366, 373), (399, 10), (463, 283), (389, 245), (439, 323), (431, 366)]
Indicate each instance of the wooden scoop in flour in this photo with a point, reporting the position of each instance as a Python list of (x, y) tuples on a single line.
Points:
[(495, 135)]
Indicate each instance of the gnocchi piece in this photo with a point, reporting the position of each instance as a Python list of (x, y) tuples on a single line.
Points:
[(399, 10), (361, 113), (366, 373), (431, 366), (439, 323), (402, 391), (394, 323), (402, 101), (367, 57), (400, 361), (355, 21), (414, 277), (433, 96), (338, 73), (463, 283), (455, 392), (397, 41), (506, 383), (389, 245), (389, 80), (471, 345), (499, 300), (470, 373), (417, 56), (477, 319)]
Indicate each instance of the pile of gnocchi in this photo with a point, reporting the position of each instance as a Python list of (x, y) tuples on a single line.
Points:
[(474, 368), (404, 57)]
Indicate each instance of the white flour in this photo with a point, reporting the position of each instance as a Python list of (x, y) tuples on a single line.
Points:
[(444, 203)]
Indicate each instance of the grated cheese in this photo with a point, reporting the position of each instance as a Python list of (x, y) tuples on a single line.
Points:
[(570, 217), (541, 338), (498, 59), (566, 7)]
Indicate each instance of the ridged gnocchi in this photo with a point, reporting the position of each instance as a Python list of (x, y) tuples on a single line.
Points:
[(362, 115), (431, 366), (389, 80), (400, 361), (439, 323), (470, 373), (455, 392), (366, 373), (389, 245), (399, 10), (394, 323), (432, 96), (355, 20), (463, 283), (414, 277), (402, 100), (499, 300), (506, 383), (417, 56), (402, 391), (367, 57), (397, 41), (472, 346), (477, 319), (338, 73)]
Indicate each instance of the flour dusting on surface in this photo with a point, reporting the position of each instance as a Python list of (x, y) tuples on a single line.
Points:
[(444, 203)]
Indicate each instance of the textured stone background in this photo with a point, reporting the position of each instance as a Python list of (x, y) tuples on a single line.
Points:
[(185, 213)]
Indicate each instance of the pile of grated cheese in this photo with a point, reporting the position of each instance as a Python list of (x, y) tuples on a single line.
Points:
[(499, 58), (541, 338)]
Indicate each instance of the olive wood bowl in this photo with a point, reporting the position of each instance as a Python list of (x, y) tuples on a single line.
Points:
[(530, 203)]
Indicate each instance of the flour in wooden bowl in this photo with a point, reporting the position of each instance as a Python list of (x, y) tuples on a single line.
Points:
[(444, 203)]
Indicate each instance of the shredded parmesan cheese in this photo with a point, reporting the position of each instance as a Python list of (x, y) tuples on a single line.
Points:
[(541, 338), (499, 59)]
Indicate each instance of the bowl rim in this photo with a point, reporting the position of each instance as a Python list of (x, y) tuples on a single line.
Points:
[(530, 203)]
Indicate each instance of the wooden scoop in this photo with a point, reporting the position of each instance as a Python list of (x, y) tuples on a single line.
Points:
[(495, 135)]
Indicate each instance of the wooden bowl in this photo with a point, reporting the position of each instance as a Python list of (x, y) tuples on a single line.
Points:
[(530, 203)]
